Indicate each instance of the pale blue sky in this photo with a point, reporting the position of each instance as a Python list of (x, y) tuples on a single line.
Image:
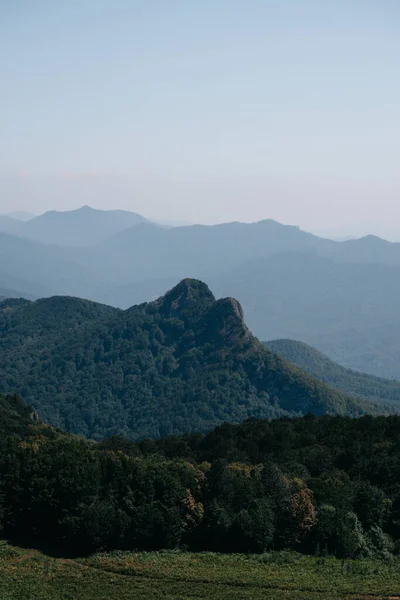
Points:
[(204, 110)]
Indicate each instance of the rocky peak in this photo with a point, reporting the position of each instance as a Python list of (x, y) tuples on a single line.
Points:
[(187, 300)]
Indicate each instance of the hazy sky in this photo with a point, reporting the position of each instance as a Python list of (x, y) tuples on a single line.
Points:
[(204, 110)]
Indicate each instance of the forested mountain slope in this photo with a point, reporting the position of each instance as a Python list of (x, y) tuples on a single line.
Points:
[(181, 363), (336, 376)]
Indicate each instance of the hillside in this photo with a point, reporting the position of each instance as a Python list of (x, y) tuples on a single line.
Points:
[(11, 225), (368, 249), (11, 293), (15, 416), (183, 362), (18, 287), (346, 380), (42, 270)]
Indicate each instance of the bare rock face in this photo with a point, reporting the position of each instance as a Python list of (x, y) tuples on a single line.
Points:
[(224, 323), (192, 302)]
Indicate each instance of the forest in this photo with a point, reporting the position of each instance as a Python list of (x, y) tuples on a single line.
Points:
[(326, 485)]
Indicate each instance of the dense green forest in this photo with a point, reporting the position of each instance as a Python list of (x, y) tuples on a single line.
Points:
[(182, 363), (324, 485), (371, 388)]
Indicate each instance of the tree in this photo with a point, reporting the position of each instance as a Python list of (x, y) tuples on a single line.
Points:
[(326, 528), (351, 538)]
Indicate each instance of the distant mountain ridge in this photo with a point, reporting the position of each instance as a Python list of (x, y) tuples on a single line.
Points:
[(84, 226), (184, 362)]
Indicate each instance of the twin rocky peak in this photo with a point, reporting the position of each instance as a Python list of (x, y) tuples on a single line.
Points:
[(193, 302)]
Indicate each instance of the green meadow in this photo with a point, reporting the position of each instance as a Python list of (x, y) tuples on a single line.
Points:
[(31, 575)]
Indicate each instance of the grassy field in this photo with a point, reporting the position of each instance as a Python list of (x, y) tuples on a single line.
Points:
[(29, 575)]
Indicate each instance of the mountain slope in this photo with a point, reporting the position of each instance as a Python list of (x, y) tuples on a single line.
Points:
[(368, 249), (15, 416), (42, 269), (15, 287), (10, 225), (346, 380), (183, 362)]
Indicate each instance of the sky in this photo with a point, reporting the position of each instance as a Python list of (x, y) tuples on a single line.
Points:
[(204, 110)]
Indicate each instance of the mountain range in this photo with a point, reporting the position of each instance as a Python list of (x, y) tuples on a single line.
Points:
[(340, 297), (181, 363)]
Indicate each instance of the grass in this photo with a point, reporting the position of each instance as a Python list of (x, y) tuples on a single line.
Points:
[(30, 575)]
